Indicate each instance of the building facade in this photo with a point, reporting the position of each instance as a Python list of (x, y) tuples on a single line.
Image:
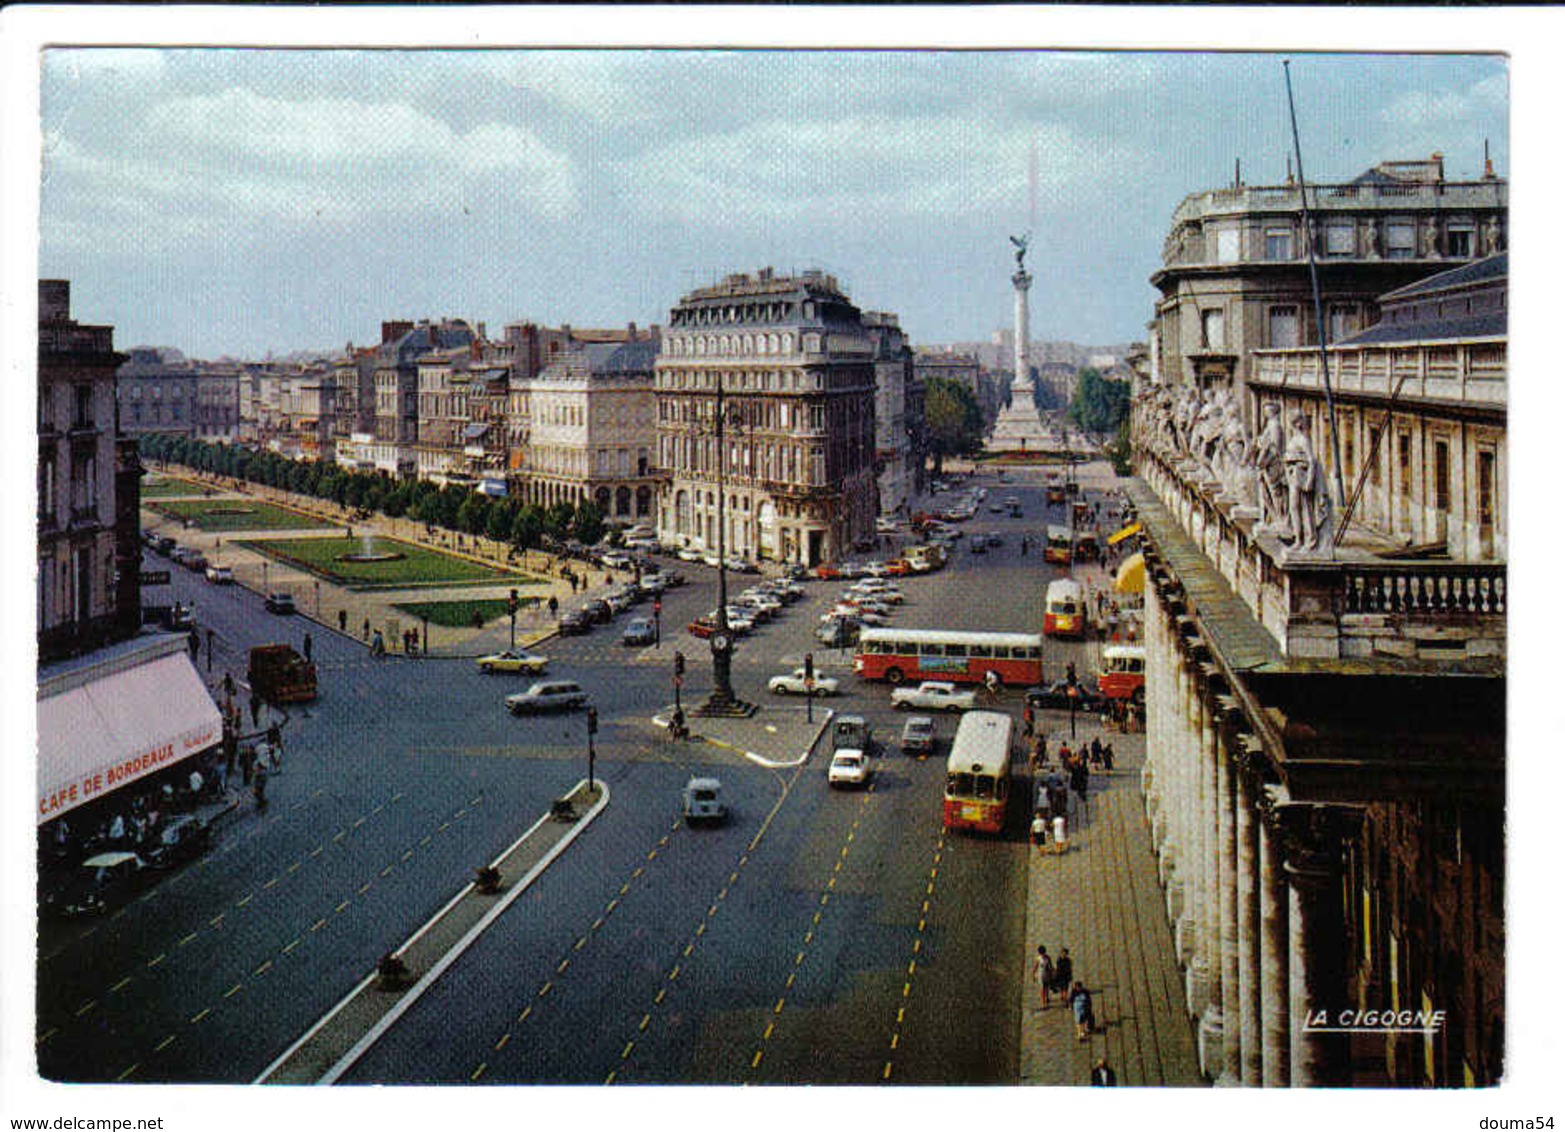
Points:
[(899, 443), (158, 391), (766, 393), (1325, 695), (1234, 276), (89, 497)]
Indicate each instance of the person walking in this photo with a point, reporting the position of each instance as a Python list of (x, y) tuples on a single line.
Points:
[(1027, 721), (1103, 1074), (1108, 758), (378, 645), (1040, 835), (255, 708), (1043, 972), (366, 628), (1081, 1009), (309, 646), (342, 620), (1063, 972), (274, 741)]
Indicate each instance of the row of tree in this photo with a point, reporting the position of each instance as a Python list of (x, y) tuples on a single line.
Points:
[(453, 507), (1101, 407), (952, 419)]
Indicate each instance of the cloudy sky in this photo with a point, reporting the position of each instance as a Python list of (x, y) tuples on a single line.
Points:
[(239, 201)]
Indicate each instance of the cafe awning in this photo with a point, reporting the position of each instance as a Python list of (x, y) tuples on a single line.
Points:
[(95, 735), (1131, 577)]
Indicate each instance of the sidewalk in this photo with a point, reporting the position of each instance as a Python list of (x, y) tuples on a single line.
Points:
[(1101, 899)]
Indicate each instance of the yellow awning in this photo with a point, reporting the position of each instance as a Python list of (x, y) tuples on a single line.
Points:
[(1124, 533), (1131, 577)]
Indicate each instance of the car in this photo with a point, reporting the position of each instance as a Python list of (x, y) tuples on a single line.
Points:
[(864, 616), (978, 544), (194, 561), (547, 695), (848, 768), (688, 554), (996, 509), (183, 838), (996, 538), (164, 545), (898, 567), (794, 572), (827, 570), (701, 628), (742, 565), (837, 632), (918, 735), (280, 603), (739, 620), (702, 800), (711, 560), (179, 554), (618, 601), (933, 695), (598, 611), (794, 684), (618, 560), (852, 732), (514, 660), (1058, 696), (220, 575), (574, 624), (101, 881), (644, 545), (652, 585), (639, 631)]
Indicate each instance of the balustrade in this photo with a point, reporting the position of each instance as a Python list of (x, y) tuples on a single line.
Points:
[(1424, 590)]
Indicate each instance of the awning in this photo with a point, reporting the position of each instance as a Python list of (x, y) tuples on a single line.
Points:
[(1124, 533), (97, 736), (1131, 577), (474, 431)]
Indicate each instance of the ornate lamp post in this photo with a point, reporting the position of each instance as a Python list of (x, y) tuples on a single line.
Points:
[(722, 700)]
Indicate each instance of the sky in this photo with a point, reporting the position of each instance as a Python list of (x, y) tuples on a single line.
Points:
[(240, 201)]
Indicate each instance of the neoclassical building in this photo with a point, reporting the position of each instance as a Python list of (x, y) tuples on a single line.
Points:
[(1325, 777), (789, 361)]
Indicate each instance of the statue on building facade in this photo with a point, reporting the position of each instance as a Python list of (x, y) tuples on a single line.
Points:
[(1431, 239), (1372, 240), (1236, 467), (1491, 236), (1271, 480), (1309, 505), (1021, 243)]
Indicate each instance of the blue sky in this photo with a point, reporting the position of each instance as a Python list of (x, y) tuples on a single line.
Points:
[(244, 200)]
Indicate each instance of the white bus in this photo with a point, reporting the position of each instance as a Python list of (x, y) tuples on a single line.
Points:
[(978, 772), (1064, 609)]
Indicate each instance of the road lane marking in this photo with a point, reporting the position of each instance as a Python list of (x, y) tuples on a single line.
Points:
[(626, 1051), (243, 900), (756, 1060), (341, 906), (318, 924), (522, 1017), (217, 920), (501, 1044), (200, 1015), (293, 868), (564, 963), (162, 955), (292, 945), (86, 1006), (674, 974), (163, 1044), (645, 1019), (366, 886), (271, 883), (233, 990), (187, 939), (543, 990), (778, 1009), (119, 984), (128, 1072), (580, 943), (479, 1072), (263, 968)]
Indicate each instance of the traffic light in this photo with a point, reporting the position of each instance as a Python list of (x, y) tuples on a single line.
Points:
[(592, 721), (809, 666), (679, 664), (512, 602)]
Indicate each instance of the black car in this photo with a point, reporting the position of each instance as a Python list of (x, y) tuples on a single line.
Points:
[(574, 623), (280, 603), (183, 838), (598, 611), (1057, 696)]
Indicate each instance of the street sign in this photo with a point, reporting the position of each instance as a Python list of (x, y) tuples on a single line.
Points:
[(155, 577)]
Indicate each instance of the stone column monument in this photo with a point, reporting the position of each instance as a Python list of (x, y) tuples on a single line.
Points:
[(1018, 426)]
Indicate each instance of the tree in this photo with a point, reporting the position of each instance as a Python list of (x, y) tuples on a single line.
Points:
[(588, 524), (1099, 405), (502, 517), (527, 527), (952, 418)]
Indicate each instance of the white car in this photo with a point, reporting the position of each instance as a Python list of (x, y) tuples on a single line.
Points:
[(792, 684), (848, 767), (932, 695), (738, 620), (557, 695), (885, 526), (220, 575), (842, 609), (688, 554)]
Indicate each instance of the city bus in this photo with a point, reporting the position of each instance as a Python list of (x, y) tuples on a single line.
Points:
[(1064, 609), (1123, 673), (960, 656), (978, 773), (1057, 545)]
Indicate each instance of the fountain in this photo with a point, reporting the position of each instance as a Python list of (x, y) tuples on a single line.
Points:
[(368, 553)]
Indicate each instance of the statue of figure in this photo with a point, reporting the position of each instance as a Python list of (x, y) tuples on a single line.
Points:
[(1309, 506), (1207, 430), (1491, 236), (1021, 243), (1270, 477), (1372, 240), (1431, 239), (1238, 474)]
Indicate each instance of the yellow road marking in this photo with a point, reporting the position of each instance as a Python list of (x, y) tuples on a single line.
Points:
[(799, 958), (387, 871), (645, 1018), (293, 868), (522, 1017), (358, 822), (626, 1051), (789, 984), (662, 993), (243, 900), (479, 1072), (366, 886), (500, 1045), (49, 1033), (163, 1044), (128, 1072), (767, 1036), (162, 955), (271, 883), (187, 939), (609, 1080), (564, 963), (292, 945), (341, 906), (886, 1073), (197, 1017), (756, 1060), (779, 1007), (119, 984), (233, 990), (263, 968), (894, 1038), (86, 1006), (580, 943), (543, 990), (639, 870), (906, 989), (318, 924)]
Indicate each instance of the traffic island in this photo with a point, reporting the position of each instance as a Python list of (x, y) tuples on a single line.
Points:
[(401, 976)]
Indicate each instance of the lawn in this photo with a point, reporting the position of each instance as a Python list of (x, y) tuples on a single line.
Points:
[(455, 614), (418, 566), (155, 487), (236, 515)]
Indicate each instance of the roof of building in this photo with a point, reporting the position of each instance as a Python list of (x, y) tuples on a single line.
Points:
[(1477, 271), (1400, 321), (1490, 325), (597, 359)]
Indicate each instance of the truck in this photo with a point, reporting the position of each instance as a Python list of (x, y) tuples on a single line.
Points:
[(279, 675)]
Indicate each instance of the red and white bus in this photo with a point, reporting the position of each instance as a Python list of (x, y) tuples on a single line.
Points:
[(1065, 609), (978, 773), (1123, 674), (949, 654), (1058, 545)]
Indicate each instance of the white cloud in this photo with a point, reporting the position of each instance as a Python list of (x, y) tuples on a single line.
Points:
[(1423, 109)]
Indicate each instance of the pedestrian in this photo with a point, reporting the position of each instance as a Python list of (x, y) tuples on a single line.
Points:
[(1079, 782), (1043, 972), (228, 684), (255, 709), (1103, 1074), (1063, 972), (573, 583), (378, 645), (1095, 753), (1108, 758), (1081, 1008), (1027, 721), (309, 646), (247, 762), (342, 620), (366, 628), (259, 786), (274, 739), (195, 644), (1058, 825), (554, 607)]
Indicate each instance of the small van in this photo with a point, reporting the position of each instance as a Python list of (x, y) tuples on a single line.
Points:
[(703, 801), (851, 733)]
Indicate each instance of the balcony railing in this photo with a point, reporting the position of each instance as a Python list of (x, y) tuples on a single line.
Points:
[(1424, 589)]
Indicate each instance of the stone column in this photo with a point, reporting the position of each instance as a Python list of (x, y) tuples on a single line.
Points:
[(1208, 982), (1185, 888), (1247, 832), (1228, 910), (1277, 1015), (1317, 961)]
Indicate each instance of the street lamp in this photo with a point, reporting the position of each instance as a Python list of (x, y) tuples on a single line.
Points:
[(722, 700)]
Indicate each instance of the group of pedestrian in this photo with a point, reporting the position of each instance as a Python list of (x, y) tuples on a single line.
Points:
[(1058, 976)]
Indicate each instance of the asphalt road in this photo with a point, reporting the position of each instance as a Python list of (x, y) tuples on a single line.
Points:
[(820, 936)]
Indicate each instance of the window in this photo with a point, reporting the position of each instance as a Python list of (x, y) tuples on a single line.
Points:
[(1486, 491), (1279, 243), (1459, 241), (1442, 475), (1282, 325), (1343, 320), (1405, 464), (1212, 337), (1228, 245), (83, 417), (1400, 239), (1339, 239)]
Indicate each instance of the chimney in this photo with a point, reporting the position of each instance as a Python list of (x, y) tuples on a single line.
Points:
[(1488, 165), (630, 333)]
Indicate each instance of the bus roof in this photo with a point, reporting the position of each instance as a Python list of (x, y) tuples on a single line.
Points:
[(982, 744), (947, 637), (1062, 534), (1062, 587), (1125, 650)]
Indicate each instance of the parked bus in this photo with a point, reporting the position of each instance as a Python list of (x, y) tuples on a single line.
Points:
[(1057, 545), (949, 654), (1123, 674), (1064, 609), (978, 773)]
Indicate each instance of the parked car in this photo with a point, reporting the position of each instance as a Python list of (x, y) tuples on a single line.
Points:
[(549, 695), (701, 628), (1057, 696), (102, 881), (220, 575), (933, 695), (640, 631), (688, 554), (280, 603), (163, 545), (848, 768), (574, 624), (618, 560), (618, 601), (598, 611), (517, 660), (918, 735), (837, 632), (702, 800), (182, 839), (978, 544), (792, 684), (194, 561)]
